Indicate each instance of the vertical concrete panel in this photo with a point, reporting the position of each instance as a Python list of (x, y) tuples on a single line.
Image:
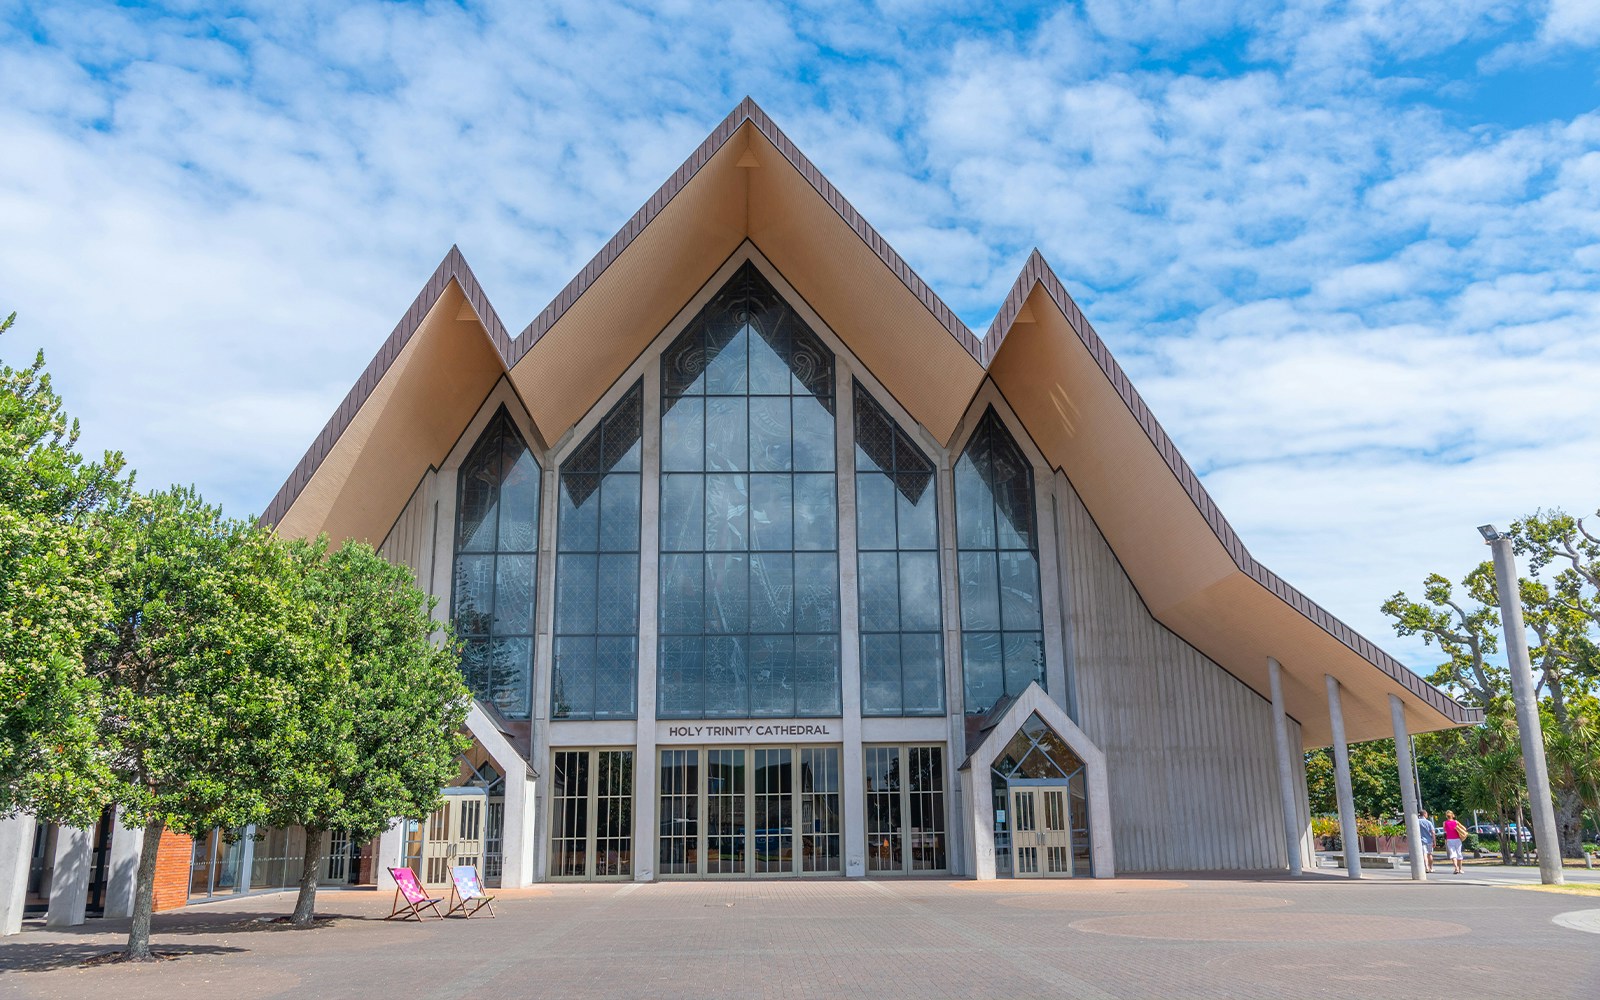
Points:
[(646, 772), (69, 883), (852, 779), (1188, 747), (122, 868), (16, 851)]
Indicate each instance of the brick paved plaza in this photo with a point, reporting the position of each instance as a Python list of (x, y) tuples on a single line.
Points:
[(1319, 936)]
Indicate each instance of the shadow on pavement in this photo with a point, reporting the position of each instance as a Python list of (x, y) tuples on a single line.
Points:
[(44, 957)]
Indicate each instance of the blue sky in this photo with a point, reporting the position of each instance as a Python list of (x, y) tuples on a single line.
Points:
[(1349, 252)]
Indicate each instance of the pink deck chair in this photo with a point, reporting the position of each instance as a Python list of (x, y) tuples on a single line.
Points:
[(410, 899)]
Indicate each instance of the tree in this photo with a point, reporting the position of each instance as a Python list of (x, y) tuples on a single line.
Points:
[(1561, 615), (378, 716), (1374, 779), (53, 595), (205, 624)]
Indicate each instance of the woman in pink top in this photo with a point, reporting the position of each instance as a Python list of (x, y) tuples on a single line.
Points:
[(1454, 834)]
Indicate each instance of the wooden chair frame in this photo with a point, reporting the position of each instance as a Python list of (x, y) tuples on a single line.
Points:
[(469, 905), (404, 907)]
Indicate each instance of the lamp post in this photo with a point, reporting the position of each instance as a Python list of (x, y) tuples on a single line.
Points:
[(1522, 692)]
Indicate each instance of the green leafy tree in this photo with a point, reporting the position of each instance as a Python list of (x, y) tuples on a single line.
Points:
[(53, 597), (1561, 615), (206, 623), (1374, 779), (378, 715)]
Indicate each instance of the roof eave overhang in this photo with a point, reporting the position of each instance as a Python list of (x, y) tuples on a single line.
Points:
[(1190, 567), (747, 180)]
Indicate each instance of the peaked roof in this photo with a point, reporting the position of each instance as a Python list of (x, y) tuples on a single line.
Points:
[(748, 182)]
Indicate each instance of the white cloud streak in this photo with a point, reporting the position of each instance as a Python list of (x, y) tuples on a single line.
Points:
[(1370, 323)]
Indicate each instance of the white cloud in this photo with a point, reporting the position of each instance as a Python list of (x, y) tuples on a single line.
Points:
[(1350, 312)]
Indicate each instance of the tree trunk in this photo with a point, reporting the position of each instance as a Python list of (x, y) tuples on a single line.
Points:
[(144, 895), (1569, 823), (1516, 838), (1505, 843), (306, 903)]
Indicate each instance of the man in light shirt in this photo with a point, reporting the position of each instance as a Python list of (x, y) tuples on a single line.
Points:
[(1429, 832)]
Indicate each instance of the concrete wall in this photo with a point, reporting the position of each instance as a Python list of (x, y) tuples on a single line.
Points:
[(1189, 748), (410, 541)]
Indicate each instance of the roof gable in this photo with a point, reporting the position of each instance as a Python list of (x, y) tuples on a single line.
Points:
[(747, 180)]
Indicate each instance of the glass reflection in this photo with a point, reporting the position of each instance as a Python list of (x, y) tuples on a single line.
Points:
[(897, 568), (1002, 645), (597, 568), (496, 565), (749, 584)]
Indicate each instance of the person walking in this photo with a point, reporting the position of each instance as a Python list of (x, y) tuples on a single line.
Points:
[(1429, 834), (1454, 834)]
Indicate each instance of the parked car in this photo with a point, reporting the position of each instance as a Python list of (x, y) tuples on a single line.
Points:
[(1523, 835), (1484, 830)]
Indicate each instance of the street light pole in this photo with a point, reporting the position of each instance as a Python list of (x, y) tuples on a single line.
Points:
[(1522, 692)]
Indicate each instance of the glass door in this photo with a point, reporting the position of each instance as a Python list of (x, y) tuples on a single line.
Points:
[(905, 811), (1025, 834), (727, 848), (1041, 831), (591, 804), (1057, 831), (750, 811)]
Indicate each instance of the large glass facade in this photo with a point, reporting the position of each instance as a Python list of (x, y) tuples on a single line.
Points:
[(749, 611), (496, 566), (597, 570), (897, 538), (1002, 637)]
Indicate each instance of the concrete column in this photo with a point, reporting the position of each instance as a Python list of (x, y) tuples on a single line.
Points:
[(852, 779), (247, 858), (517, 826), (391, 845), (1524, 694), (978, 796), (1341, 781), (1408, 787), (16, 853), (646, 771), (122, 875), (1280, 733), (965, 809), (69, 881), (533, 839)]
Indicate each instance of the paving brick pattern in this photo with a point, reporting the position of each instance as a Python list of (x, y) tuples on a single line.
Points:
[(1267, 937)]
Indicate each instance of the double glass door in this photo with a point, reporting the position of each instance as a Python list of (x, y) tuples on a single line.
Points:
[(451, 835), (733, 811), (591, 801), (1041, 831)]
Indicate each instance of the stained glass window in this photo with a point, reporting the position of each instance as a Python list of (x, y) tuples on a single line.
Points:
[(1002, 637), (749, 611), (897, 538), (597, 570), (496, 566)]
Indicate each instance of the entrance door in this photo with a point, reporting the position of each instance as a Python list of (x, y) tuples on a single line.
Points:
[(1041, 831), (454, 835)]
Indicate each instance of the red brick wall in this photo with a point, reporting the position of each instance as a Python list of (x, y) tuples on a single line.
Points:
[(369, 857), (172, 870)]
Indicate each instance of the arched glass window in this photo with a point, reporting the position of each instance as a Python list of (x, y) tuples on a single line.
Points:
[(749, 513), (1002, 637), (497, 566), (897, 537), (597, 570)]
